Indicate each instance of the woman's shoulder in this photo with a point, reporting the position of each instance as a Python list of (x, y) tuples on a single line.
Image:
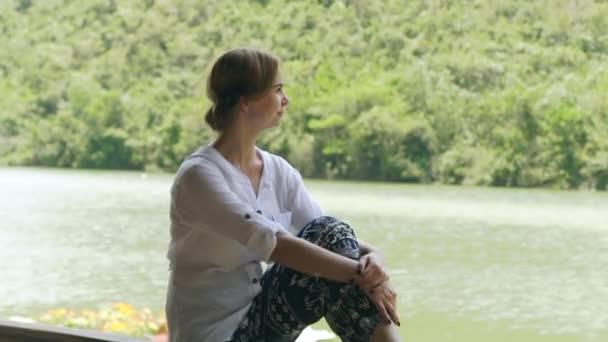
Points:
[(199, 162), (277, 162)]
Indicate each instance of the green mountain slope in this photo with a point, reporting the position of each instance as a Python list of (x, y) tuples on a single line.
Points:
[(507, 93)]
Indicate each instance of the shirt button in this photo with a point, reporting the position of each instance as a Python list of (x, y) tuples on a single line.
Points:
[(259, 211), (255, 280), (247, 216)]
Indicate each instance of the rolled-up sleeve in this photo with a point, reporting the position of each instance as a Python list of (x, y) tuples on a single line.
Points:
[(203, 200)]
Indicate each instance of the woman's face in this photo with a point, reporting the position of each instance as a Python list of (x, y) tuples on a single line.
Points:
[(267, 111)]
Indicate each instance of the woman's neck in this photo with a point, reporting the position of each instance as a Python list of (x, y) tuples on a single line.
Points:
[(237, 147)]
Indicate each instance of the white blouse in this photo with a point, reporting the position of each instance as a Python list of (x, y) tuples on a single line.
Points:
[(220, 233)]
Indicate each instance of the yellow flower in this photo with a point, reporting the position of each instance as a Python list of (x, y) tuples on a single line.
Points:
[(89, 313), (58, 312), (118, 327), (120, 318), (125, 309)]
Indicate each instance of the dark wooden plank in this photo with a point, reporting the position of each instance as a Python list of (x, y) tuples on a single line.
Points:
[(33, 332)]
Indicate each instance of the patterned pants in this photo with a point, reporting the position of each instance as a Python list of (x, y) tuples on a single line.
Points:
[(290, 300)]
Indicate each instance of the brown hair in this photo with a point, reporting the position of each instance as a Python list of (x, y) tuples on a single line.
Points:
[(237, 73)]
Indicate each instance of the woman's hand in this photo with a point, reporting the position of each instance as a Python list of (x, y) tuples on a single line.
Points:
[(373, 273), (374, 281), (385, 300)]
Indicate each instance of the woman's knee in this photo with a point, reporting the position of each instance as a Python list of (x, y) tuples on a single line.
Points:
[(330, 225), (332, 234)]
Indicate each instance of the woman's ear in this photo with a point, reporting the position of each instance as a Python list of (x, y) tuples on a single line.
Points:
[(243, 105)]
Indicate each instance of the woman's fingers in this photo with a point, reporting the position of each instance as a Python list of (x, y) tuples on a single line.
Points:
[(382, 310), (377, 282), (375, 278), (369, 266), (372, 269), (390, 309), (369, 282), (365, 260), (374, 282), (384, 298), (391, 306)]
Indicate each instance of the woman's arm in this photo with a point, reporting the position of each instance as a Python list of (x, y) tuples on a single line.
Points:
[(374, 270), (366, 248), (202, 200), (375, 282), (308, 258)]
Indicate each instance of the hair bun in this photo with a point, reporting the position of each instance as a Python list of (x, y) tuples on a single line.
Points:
[(211, 118)]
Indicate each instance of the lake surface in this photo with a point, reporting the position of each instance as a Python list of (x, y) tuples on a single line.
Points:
[(469, 264)]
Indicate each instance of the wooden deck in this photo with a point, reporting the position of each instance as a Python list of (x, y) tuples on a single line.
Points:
[(33, 332)]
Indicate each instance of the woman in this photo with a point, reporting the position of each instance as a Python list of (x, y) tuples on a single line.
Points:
[(234, 206)]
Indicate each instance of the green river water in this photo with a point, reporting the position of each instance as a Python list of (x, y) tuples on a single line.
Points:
[(469, 264)]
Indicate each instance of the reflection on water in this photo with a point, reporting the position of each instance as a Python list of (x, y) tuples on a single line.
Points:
[(469, 263)]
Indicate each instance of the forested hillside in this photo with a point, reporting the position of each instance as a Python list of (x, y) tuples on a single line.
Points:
[(490, 92)]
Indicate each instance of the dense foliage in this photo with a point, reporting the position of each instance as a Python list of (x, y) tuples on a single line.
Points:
[(491, 92)]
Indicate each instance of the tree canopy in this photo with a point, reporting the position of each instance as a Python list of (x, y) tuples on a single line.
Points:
[(487, 92)]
